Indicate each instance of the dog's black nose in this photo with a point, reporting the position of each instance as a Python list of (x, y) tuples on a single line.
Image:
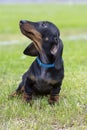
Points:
[(22, 22)]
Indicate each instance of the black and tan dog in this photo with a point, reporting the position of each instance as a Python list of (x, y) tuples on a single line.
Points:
[(46, 73)]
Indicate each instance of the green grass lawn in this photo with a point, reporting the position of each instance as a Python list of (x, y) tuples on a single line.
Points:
[(71, 112)]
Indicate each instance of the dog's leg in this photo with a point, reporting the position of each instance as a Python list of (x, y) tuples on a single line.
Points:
[(27, 95), (54, 95), (18, 91), (21, 86)]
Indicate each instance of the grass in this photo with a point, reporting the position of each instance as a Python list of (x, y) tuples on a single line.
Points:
[(65, 16), (71, 112)]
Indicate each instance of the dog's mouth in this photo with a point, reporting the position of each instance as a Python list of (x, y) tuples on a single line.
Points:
[(28, 30)]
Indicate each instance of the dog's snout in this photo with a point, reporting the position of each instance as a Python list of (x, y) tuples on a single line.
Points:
[(22, 22)]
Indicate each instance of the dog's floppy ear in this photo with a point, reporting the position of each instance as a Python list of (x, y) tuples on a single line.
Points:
[(57, 52), (30, 50)]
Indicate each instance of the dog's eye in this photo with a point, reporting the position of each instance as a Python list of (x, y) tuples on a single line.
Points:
[(44, 24), (55, 38)]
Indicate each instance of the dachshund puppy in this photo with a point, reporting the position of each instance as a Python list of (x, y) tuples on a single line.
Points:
[(46, 73)]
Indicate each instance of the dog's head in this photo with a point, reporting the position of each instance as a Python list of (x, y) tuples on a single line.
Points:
[(46, 39)]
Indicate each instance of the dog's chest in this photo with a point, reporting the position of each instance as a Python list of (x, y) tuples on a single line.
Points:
[(43, 80), (42, 87), (43, 76)]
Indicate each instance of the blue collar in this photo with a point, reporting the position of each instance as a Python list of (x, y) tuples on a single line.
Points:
[(44, 65)]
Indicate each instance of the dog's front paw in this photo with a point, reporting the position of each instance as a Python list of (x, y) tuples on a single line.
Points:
[(53, 99), (27, 98)]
